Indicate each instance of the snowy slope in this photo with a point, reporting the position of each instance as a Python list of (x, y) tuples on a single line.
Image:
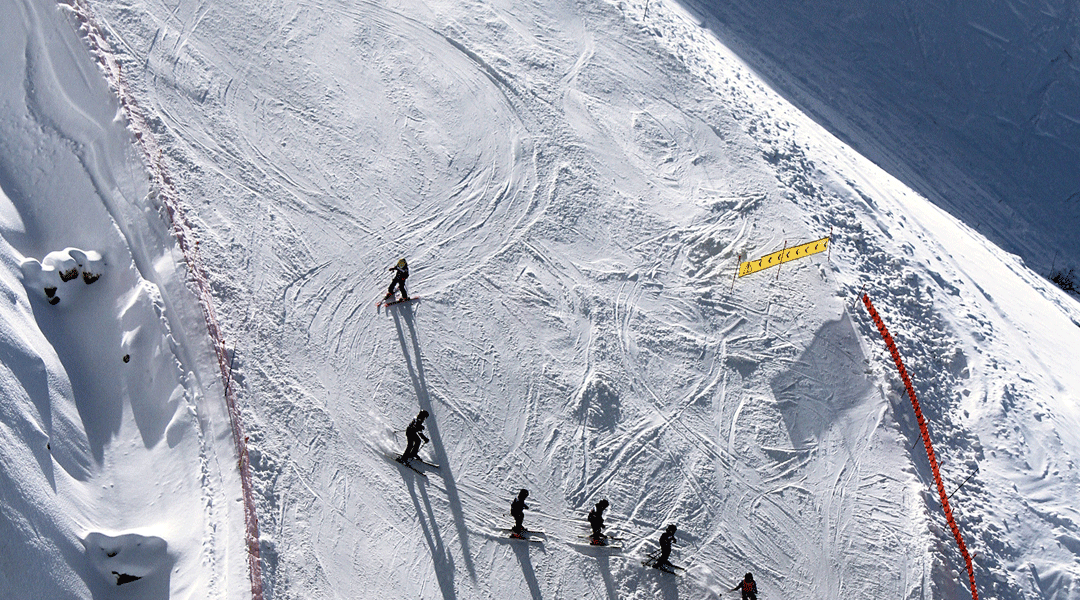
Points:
[(573, 185), (117, 465)]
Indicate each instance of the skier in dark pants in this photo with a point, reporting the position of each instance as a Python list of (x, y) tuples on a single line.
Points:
[(401, 273), (596, 521), (415, 434), (748, 587), (516, 510), (666, 540)]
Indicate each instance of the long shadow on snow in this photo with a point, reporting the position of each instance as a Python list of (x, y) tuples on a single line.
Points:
[(603, 563), (668, 583), (521, 549), (416, 373), (31, 373), (444, 562)]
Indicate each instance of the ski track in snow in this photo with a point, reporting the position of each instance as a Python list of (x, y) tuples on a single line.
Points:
[(573, 186)]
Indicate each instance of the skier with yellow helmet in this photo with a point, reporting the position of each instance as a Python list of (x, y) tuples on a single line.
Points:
[(401, 273)]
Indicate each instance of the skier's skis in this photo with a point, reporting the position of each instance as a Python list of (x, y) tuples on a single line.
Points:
[(511, 530), (503, 533), (384, 302), (667, 568), (432, 465), (526, 537), (603, 537), (593, 546), (405, 463)]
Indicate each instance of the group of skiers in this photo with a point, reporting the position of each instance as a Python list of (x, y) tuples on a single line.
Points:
[(596, 522), (415, 437)]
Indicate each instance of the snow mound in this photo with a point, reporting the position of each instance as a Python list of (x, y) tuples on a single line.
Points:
[(130, 558), (59, 268)]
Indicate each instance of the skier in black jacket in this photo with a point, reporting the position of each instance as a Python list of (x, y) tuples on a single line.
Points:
[(415, 433), (596, 521), (666, 540), (748, 587), (401, 273), (517, 508)]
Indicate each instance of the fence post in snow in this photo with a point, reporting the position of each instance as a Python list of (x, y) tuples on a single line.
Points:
[(781, 262), (738, 265)]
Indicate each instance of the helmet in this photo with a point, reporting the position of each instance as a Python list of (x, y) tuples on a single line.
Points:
[(602, 504), (671, 528), (401, 264), (524, 493), (749, 577), (422, 414)]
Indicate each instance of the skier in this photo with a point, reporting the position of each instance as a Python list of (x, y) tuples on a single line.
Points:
[(596, 521), (666, 540), (748, 587), (415, 433), (401, 273), (516, 510)]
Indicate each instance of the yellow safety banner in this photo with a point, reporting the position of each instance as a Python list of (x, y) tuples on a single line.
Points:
[(783, 256)]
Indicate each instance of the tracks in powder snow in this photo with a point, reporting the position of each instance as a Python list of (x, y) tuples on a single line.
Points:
[(580, 337)]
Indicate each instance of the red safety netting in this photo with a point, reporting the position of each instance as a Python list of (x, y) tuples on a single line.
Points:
[(926, 440)]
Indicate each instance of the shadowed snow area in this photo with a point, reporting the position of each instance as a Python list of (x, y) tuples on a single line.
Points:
[(115, 468), (975, 106), (573, 185)]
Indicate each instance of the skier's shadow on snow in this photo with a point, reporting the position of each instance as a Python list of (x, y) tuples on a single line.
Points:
[(444, 562), (521, 549), (603, 563), (413, 361), (668, 584)]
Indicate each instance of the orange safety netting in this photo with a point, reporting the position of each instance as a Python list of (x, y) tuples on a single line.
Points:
[(926, 440)]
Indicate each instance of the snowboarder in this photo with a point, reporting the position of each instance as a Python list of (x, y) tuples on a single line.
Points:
[(748, 587), (415, 434), (666, 540), (596, 521), (401, 273), (516, 510)]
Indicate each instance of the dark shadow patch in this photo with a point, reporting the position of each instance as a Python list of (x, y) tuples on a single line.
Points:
[(140, 564), (521, 549), (440, 554), (828, 379), (599, 405), (410, 349)]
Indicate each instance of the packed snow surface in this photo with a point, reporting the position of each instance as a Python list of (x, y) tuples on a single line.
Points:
[(573, 185)]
